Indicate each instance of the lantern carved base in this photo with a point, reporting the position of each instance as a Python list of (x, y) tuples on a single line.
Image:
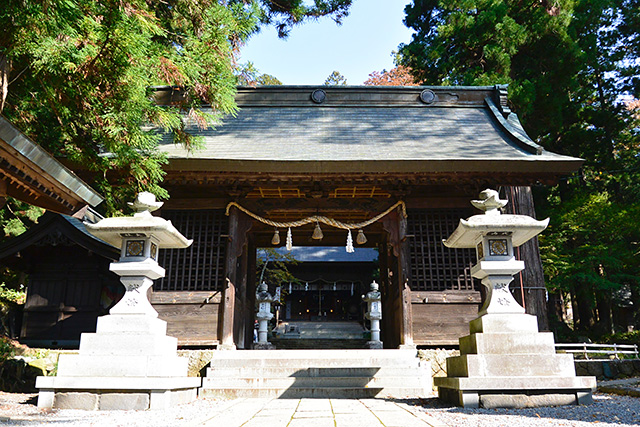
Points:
[(506, 362)]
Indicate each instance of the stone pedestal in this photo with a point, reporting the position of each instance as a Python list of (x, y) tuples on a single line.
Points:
[(129, 363), (505, 362)]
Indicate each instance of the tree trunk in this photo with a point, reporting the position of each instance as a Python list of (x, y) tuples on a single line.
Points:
[(603, 304), (635, 299), (584, 301), (555, 308), (531, 279), (5, 70)]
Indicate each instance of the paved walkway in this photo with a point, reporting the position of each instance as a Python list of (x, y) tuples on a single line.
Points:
[(317, 413)]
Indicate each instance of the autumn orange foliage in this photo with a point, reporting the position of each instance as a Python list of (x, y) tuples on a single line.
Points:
[(398, 76)]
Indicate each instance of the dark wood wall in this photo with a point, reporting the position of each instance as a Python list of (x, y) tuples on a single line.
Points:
[(68, 289)]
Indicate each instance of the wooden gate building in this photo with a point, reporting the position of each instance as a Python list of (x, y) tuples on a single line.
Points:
[(349, 154)]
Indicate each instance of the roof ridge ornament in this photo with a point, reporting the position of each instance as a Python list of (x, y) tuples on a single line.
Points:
[(490, 202), (502, 99)]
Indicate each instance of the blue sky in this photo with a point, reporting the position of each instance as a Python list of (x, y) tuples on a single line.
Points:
[(361, 45)]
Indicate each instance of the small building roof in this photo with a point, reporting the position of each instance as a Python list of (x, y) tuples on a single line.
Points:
[(282, 129), (29, 173), (54, 229)]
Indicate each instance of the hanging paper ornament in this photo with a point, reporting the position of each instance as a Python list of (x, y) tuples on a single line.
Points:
[(275, 240), (317, 232), (361, 239), (289, 243), (349, 243), (289, 287)]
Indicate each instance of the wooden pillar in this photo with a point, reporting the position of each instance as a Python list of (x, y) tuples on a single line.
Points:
[(251, 292), (406, 326), (239, 225), (396, 225)]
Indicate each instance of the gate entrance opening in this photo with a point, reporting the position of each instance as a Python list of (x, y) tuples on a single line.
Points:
[(321, 305)]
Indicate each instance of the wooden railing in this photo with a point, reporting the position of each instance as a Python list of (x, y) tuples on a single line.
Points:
[(598, 351)]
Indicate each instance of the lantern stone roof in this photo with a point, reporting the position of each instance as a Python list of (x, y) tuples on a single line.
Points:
[(334, 129), (30, 174)]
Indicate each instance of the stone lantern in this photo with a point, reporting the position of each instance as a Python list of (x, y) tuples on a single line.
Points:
[(264, 315), (505, 361), (374, 314), (129, 362)]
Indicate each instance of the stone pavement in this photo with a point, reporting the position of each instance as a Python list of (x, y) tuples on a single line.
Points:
[(317, 413)]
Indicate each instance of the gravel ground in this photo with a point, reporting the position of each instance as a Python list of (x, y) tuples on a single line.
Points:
[(608, 410)]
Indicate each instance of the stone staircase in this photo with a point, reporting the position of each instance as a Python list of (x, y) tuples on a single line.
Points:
[(317, 374)]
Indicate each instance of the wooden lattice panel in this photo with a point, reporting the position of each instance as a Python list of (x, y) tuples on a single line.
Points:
[(200, 267), (275, 193), (361, 191), (434, 267), (358, 192)]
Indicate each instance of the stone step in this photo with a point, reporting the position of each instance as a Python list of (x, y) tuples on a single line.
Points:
[(301, 359), (314, 392), (516, 365), (317, 373), (304, 382), (286, 371), (315, 354)]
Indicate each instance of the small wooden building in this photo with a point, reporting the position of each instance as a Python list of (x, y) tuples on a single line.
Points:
[(415, 154)]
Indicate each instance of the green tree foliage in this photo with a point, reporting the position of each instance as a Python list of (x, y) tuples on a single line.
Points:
[(76, 75), (273, 269), (570, 65), (248, 75), (335, 79)]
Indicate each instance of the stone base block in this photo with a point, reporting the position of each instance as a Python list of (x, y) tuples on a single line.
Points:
[(95, 393), (129, 344), (507, 392), (123, 323), (373, 345), (81, 365), (504, 323), (508, 343), (516, 365), (263, 346)]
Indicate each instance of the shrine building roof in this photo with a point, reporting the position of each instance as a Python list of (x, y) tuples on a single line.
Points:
[(335, 129), (29, 173)]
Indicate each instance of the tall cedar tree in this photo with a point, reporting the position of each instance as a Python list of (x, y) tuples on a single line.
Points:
[(76, 76), (570, 65)]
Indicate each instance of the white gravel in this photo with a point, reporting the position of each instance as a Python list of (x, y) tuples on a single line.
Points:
[(608, 410)]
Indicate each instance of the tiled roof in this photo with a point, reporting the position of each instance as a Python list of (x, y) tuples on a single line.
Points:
[(283, 126)]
